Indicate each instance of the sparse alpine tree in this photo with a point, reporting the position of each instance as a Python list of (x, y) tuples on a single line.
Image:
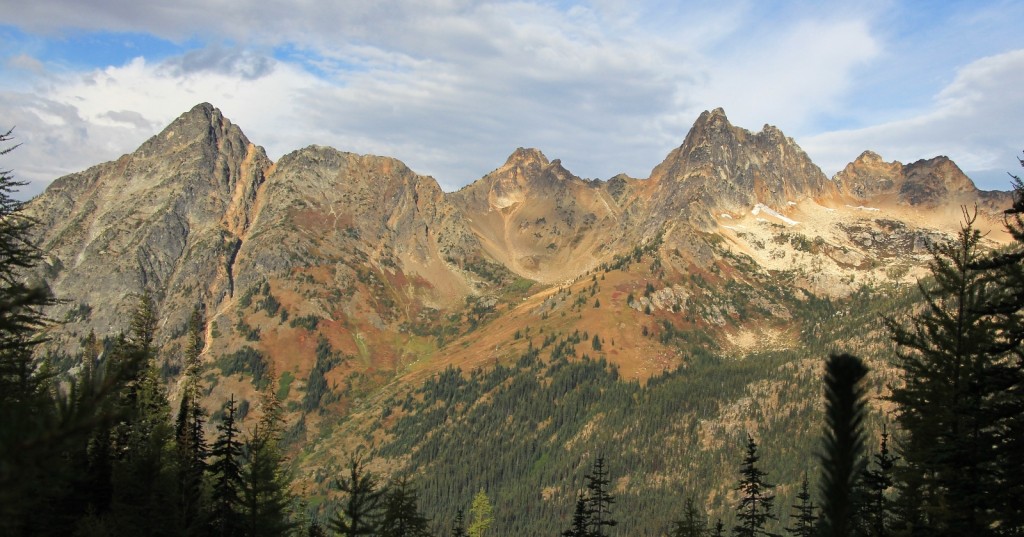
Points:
[(579, 519), (227, 475), (874, 505), (402, 516), (756, 500), (803, 516), (266, 501)]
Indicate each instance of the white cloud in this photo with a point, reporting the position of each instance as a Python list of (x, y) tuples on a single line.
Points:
[(975, 120)]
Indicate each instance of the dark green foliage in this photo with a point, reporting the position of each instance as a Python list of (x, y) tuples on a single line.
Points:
[(756, 500), (599, 500), (693, 523), (842, 458), (579, 527), (246, 360), (803, 516), (954, 359), (362, 508), (226, 471), (265, 500), (316, 385), (401, 515), (459, 525), (872, 501), (596, 343), (309, 322)]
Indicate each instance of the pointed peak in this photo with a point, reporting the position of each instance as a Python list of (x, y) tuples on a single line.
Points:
[(713, 117), (869, 156), (526, 155)]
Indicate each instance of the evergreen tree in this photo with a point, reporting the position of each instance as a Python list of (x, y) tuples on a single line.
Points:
[(193, 450), (693, 522), (360, 514), (874, 506), (952, 357), (842, 460), (402, 517), (756, 499), (579, 527), (144, 477), (719, 530), (264, 492), (459, 525), (315, 529), (599, 500), (803, 515), (227, 475), (1005, 377), (481, 515)]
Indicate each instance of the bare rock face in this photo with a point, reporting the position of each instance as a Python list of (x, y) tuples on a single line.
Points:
[(722, 167), (323, 207), (538, 219), (925, 183), (164, 219)]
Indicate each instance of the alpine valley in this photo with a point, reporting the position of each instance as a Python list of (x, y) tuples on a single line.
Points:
[(505, 336)]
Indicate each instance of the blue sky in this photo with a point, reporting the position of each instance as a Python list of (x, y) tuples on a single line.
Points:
[(451, 87)]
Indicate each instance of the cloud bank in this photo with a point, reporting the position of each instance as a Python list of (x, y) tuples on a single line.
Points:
[(451, 87)]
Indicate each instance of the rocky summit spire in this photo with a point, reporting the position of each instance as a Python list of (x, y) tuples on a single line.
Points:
[(722, 167)]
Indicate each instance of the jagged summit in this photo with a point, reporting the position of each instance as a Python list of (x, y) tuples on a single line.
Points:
[(720, 167), (928, 182), (524, 156)]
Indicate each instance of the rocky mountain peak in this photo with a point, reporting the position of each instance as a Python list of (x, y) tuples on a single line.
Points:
[(722, 167), (526, 156), (925, 182)]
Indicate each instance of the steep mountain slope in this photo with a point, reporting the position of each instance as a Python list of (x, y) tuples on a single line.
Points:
[(539, 220), (166, 218)]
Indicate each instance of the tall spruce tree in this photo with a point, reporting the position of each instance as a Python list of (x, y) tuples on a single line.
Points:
[(951, 356), (265, 499), (227, 476), (192, 448), (579, 527), (842, 457), (756, 500), (361, 511), (599, 499), (1006, 376)]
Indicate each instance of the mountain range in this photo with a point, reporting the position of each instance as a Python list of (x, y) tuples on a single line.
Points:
[(356, 275)]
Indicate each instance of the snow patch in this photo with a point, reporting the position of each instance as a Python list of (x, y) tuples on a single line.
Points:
[(863, 208), (726, 215), (760, 207)]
